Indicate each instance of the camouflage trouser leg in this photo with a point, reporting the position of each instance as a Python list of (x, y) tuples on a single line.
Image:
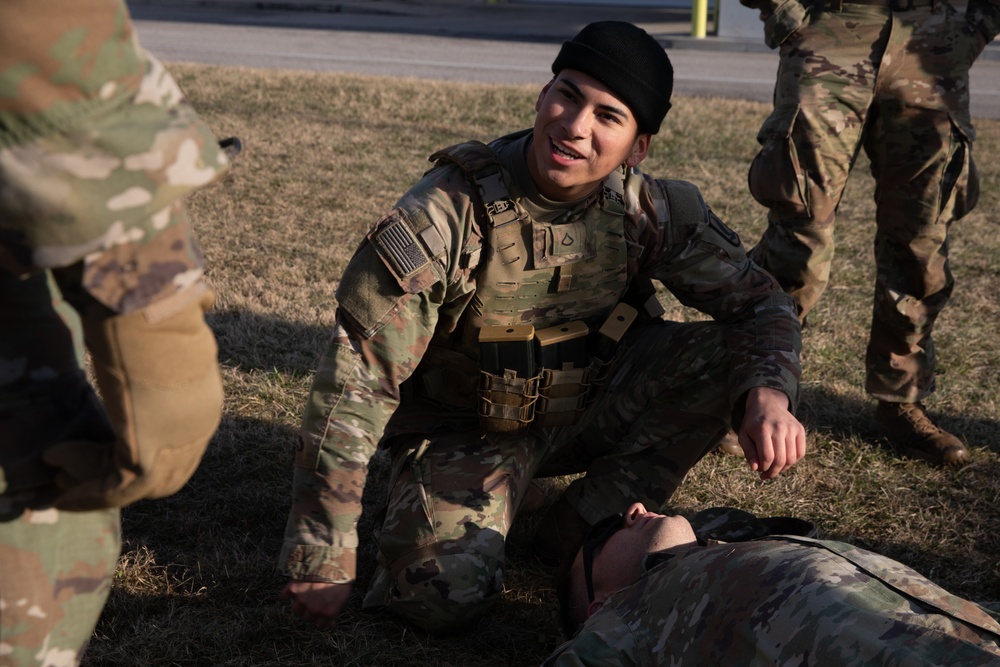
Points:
[(452, 499), (664, 407), (921, 156), (808, 146), (903, 79), (55, 567), (56, 570)]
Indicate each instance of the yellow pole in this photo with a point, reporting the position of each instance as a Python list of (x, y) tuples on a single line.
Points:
[(699, 17)]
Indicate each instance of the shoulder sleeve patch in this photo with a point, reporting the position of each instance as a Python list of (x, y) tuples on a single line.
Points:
[(393, 261), (368, 291), (398, 246), (405, 246)]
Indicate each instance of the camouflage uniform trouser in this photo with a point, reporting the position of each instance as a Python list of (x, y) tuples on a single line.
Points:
[(56, 567), (55, 575), (896, 84), (453, 495)]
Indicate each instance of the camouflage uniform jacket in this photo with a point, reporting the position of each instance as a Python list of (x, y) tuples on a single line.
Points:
[(810, 602), (387, 322), (783, 17), (96, 144)]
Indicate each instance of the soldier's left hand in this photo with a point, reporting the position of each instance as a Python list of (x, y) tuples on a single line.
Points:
[(772, 439)]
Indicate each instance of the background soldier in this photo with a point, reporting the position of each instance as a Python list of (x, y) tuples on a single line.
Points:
[(649, 592), (482, 334), (892, 77), (96, 149)]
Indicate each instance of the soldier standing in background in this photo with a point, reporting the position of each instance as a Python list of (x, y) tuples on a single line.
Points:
[(97, 147), (497, 325), (891, 77), (648, 590)]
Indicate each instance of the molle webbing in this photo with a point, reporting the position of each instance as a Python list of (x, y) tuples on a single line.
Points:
[(542, 273), (539, 273)]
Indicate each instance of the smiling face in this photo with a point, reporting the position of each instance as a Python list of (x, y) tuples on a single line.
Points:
[(582, 133)]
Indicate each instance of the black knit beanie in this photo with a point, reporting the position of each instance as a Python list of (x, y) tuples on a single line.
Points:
[(626, 59)]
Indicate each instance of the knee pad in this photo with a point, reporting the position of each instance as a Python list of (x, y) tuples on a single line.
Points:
[(157, 369), (444, 593)]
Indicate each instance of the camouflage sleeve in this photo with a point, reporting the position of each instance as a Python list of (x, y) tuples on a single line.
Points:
[(781, 18), (985, 15), (704, 264), (595, 647), (97, 144), (775, 600), (390, 298)]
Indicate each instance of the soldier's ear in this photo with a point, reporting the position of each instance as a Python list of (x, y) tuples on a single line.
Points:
[(541, 94), (639, 150), (595, 605)]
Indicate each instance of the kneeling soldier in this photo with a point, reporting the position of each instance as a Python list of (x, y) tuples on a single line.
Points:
[(497, 325)]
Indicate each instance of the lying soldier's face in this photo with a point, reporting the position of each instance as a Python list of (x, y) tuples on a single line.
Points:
[(617, 560)]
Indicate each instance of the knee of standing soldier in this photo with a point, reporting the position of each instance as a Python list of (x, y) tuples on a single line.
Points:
[(446, 592), (793, 197)]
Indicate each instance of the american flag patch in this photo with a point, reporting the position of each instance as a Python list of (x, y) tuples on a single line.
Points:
[(398, 245)]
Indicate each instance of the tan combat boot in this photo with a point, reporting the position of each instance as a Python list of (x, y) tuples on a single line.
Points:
[(908, 426)]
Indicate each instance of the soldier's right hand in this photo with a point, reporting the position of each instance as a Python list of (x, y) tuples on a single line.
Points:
[(318, 602)]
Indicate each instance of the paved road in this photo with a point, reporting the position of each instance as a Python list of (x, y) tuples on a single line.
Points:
[(749, 76), (425, 46)]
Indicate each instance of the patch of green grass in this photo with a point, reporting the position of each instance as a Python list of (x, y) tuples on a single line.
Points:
[(324, 157)]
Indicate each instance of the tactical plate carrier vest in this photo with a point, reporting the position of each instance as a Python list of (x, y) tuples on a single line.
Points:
[(574, 270)]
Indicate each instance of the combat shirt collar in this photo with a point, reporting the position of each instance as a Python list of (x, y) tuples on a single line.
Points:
[(660, 557), (539, 207)]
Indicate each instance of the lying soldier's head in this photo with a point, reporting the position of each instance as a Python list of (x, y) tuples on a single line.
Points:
[(612, 557)]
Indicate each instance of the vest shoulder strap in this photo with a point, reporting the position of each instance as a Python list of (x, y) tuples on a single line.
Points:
[(684, 201), (483, 168)]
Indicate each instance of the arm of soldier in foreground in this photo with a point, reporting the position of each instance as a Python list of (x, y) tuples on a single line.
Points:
[(984, 16), (378, 342), (706, 267), (772, 439), (95, 167)]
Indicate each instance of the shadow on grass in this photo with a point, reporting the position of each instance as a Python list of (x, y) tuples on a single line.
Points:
[(944, 522), (252, 341)]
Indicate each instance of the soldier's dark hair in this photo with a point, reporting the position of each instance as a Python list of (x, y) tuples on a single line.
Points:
[(572, 598), (629, 61)]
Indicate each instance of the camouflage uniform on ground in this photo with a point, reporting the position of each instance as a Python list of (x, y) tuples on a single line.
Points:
[(892, 78), (782, 601), (96, 252), (403, 364)]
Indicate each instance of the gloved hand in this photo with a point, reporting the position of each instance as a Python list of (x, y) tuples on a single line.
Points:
[(157, 370)]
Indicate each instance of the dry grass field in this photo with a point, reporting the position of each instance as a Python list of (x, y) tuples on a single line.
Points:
[(324, 156)]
